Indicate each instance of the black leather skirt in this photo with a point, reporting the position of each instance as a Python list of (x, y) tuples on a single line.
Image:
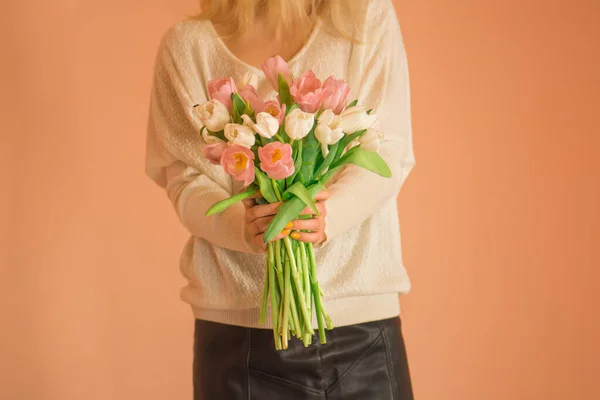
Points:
[(359, 362)]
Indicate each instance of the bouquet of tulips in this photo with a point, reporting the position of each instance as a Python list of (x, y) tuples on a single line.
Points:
[(285, 150)]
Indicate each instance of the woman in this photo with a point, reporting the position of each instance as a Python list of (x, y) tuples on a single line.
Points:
[(357, 235)]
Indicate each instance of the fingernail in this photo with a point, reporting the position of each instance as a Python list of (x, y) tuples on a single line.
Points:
[(295, 235), (290, 225), (285, 232)]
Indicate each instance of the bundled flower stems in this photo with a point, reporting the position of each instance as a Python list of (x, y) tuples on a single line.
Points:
[(285, 149)]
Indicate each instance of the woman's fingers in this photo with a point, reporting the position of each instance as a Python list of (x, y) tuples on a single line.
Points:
[(320, 206), (260, 225), (313, 224), (259, 239), (259, 216), (310, 237), (323, 195), (261, 210)]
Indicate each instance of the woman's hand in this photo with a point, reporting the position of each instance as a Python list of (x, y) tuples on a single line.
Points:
[(259, 216)]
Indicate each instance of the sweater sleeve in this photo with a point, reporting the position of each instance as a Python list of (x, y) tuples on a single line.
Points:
[(383, 85), (174, 160)]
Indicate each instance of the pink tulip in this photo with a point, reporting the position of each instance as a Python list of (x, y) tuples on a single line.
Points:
[(274, 66), (239, 161), (275, 109), (338, 94), (308, 92), (276, 160), (251, 95), (221, 89)]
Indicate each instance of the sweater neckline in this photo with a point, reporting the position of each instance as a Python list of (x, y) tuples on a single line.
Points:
[(290, 62)]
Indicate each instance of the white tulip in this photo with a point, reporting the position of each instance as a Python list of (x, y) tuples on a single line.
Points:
[(240, 134), (298, 123), (370, 140), (247, 79), (266, 125), (329, 130), (213, 114), (327, 117), (356, 118)]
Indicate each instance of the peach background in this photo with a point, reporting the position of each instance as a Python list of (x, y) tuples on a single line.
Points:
[(500, 216)]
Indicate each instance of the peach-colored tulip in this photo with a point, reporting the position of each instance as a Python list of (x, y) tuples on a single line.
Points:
[(274, 66), (221, 89), (337, 96), (276, 160), (275, 109), (308, 92), (239, 161), (251, 95), (213, 152)]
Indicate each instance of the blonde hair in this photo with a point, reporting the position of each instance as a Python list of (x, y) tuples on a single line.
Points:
[(289, 17)]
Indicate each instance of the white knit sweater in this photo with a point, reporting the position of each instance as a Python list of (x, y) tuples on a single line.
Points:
[(360, 267)]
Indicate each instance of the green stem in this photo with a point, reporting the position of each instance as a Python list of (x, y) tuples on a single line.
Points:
[(287, 293), (278, 264), (265, 297), (316, 294), (303, 277), (304, 259), (307, 339), (300, 298), (276, 189), (295, 319), (274, 310)]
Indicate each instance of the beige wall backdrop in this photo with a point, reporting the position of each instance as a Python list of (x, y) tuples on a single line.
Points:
[(499, 217)]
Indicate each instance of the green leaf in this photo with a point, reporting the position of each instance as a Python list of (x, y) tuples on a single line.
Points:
[(298, 190), (220, 135), (266, 187), (279, 186), (328, 160), (284, 92), (224, 204), (239, 105), (369, 111), (310, 150), (355, 102), (366, 159), (345, 141), (319, 160), (289, 211), (289, 109), (249, 111), (297, 150)]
